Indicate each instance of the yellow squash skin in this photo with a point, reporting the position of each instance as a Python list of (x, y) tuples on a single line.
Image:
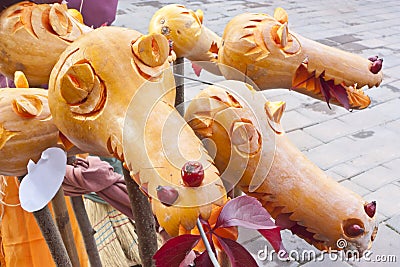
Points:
[(26, 128), (190, 38), (32, 37), (112, 93), (249, 144), (263, 48)]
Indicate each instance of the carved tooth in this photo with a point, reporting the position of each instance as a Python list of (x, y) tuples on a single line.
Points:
[(5, 135), (20, 80), (275, 110)]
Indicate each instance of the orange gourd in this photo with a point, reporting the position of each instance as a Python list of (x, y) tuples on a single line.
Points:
[(32, 37), (112, 93), (263, 49), (252, 151)]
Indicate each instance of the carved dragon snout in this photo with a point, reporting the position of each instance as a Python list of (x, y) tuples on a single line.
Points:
[(262, 48)]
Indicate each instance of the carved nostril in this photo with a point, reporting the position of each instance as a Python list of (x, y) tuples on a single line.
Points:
[(353, 227)]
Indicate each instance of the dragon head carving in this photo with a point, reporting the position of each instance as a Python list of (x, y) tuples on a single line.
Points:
[(249, 144), (112, 92), (32, 37), (265, 50), (26, 126)]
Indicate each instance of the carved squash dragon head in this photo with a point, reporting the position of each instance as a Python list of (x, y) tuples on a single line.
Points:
[(266, 51)]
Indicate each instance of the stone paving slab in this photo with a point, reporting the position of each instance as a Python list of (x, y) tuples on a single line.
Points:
[(359, 148)]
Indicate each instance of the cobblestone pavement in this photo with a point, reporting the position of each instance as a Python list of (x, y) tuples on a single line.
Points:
[(360, 149)]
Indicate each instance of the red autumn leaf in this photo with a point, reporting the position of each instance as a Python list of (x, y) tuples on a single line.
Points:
[(237, 254), (203, 260), (325, 90), (174, 251), (189, 259), (339, 92), (197, 69), (274, 238), (245, 211)]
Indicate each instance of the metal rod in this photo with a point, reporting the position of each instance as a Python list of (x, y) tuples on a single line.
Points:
[(192, 79), (179, 71), (207, 244), (144, 221)]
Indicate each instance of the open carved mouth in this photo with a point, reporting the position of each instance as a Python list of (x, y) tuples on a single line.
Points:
[(331, 90)]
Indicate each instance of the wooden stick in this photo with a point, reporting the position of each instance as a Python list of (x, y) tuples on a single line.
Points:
[(64, 226), (179, 68), (52, 236), (144, 221), (85, 226), (87, 231)]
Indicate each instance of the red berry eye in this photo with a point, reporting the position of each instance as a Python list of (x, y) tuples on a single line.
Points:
[(192, 173)]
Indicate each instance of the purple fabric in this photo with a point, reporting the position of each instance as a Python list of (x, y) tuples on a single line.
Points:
[(96, 12), (3, 83), (95, 175)]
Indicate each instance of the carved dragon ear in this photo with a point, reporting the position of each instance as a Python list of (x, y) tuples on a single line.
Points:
[(61, 22), (281, 15), (150, 53), (200, 15), (152, 49), (280, 33), (76, 15), (20, 80), (274, 112)]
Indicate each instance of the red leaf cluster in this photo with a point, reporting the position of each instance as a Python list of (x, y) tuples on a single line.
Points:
[(243, 211)]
